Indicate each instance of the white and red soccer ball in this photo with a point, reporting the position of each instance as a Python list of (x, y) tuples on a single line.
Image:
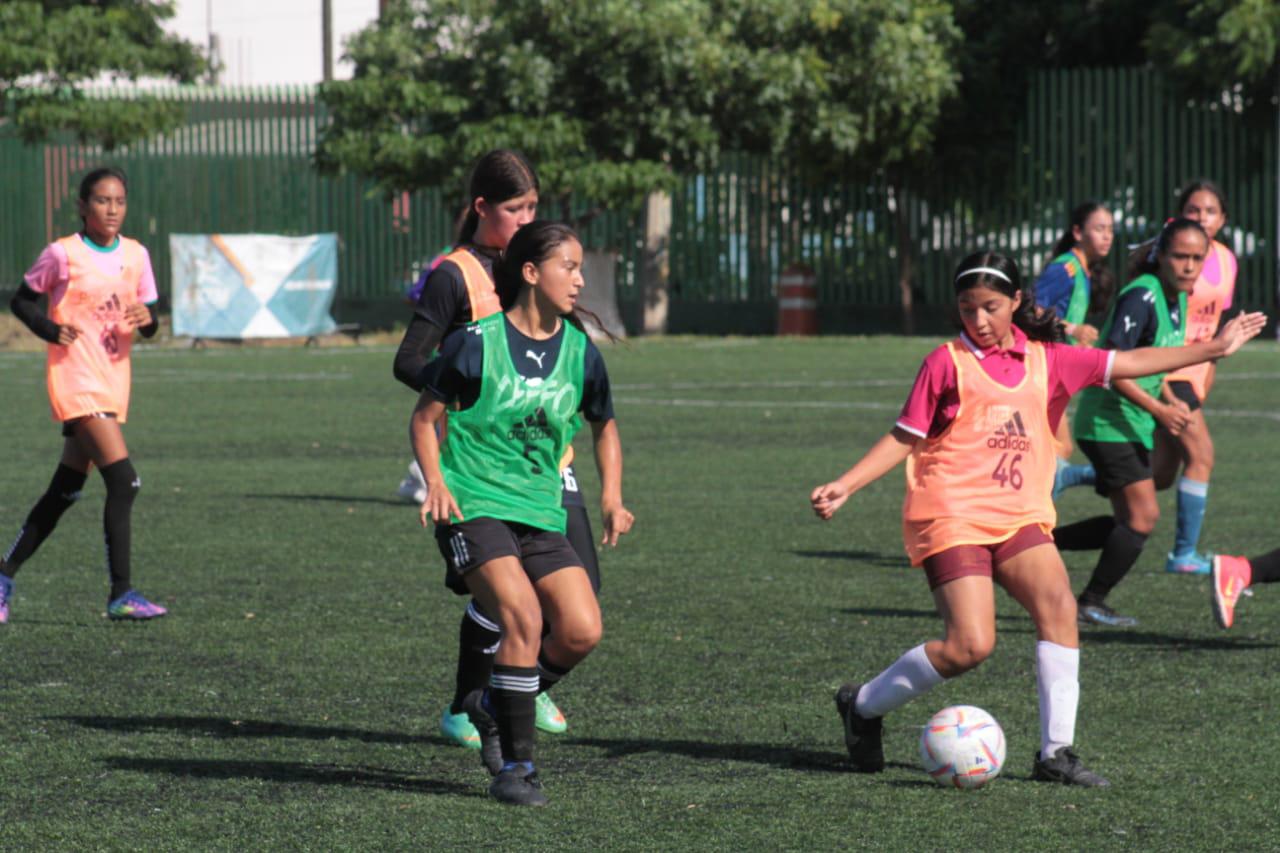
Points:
[(962, 746)]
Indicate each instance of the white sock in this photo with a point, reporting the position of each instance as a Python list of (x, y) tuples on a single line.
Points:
[(415, 473), (1058, 680), (908, 677)]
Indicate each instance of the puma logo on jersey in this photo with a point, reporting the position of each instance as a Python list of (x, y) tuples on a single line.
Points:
[(536, 356)]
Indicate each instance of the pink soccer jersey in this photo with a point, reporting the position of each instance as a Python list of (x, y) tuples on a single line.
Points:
[(934, 399)]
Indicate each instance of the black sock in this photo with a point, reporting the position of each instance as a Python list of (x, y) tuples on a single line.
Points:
[(513, 690), (64, 490), (122, 486), (549, 674), (1087, 535), (478, 638), (1266, 569), (1122, 550)]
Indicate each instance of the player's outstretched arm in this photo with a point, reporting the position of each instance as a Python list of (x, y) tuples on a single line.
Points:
[(608, 449), (1147, 360), (885, 455), (439, 505)]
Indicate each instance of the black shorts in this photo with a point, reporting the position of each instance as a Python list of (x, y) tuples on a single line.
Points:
[(1186, 392), (1117, 463), (69, 427), (473, 543)]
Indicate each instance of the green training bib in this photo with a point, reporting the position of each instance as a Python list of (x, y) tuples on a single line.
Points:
[(501, 457), (1078, 307), (1103, 415)]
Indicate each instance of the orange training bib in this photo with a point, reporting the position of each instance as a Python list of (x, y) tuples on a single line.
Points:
[(991, 472), (92, 374)]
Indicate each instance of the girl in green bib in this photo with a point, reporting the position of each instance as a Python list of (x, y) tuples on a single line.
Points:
[(1116, 427), (1075, 284), (517, 385)]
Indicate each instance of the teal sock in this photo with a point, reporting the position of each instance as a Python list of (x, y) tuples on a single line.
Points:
[(1193, 495)]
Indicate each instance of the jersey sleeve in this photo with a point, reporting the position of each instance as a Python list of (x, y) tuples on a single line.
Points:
[(444, 302), (148, 294), (1053, 289), (937, 374), (454, 375), (1134, 321), (597, 397), (1073, 368), (50, 270)]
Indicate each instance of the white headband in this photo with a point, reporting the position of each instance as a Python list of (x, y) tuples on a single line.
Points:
[(987, 270)]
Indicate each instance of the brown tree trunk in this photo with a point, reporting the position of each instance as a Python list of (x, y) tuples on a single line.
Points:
[(906, 256)]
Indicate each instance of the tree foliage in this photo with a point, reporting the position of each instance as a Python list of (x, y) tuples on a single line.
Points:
[(51, 50), (613, 98), (1222, 51)]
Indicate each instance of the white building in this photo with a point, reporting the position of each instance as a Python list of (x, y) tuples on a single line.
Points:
[(271, 42)]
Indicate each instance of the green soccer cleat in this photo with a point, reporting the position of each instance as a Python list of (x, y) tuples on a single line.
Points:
[(550, 719), (457, 728)]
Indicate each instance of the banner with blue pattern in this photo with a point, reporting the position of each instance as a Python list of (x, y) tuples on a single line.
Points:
[(253, 285)]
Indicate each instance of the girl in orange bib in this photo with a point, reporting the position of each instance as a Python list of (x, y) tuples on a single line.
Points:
[(100, 288), (1192, 449), (977, 436)]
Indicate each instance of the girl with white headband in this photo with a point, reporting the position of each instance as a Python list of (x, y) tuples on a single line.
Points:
[(977, 436)]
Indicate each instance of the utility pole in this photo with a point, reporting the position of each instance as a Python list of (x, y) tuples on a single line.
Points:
[(326, 33)]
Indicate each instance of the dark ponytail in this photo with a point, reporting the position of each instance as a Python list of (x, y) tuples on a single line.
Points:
[(993, 270), (1145, 259), (498, 176), (533, 244)]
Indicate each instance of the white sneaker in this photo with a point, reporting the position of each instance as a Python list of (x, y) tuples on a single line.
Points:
[(413, 487)]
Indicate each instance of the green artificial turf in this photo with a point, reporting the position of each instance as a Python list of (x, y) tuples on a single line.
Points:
[(291, 698)]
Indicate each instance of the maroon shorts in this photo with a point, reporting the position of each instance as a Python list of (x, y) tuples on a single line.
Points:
[(965, 560)]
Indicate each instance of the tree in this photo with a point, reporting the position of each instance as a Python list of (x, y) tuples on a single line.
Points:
[(51, 50), (614, 99), (1222, 51), (608, 99)]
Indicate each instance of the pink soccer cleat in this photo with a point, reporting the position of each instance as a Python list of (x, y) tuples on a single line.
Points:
[(1231, 576)]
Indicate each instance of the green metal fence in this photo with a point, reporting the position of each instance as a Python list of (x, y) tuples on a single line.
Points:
[(241, 163), (1119, 136)]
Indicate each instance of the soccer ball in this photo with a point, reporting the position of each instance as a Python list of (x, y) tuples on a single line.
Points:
[(962, 746)]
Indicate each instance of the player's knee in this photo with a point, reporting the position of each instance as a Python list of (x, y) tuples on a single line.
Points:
[(586, 637), (967, 652), (121, 480), (522, 626)]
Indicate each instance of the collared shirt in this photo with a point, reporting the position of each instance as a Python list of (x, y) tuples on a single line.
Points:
[(934, 399)]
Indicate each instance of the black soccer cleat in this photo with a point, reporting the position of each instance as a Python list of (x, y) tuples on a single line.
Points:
[(518, 786), (861, 734), (1097, 613), (487, 726), (1064, 766)]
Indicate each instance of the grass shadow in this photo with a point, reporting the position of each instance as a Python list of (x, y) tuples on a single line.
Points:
[(290, 772), (353, 499), (875, 558), (1123, 637), (225, 727), (773, 755)]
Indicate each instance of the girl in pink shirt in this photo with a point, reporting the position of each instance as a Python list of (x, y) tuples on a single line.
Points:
[(100, 288), (977, 434)]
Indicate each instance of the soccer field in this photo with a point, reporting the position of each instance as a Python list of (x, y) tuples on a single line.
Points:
[(290, 700)]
